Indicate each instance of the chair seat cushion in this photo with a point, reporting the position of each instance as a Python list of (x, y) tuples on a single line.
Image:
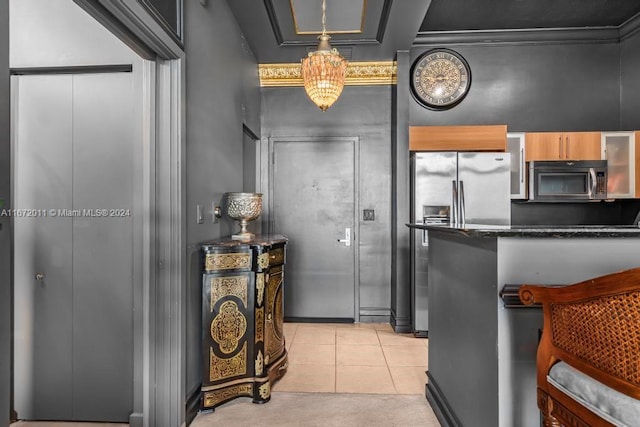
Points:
[(611, 405)]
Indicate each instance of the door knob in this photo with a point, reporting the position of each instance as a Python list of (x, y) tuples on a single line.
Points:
[(347, 237), (39, 276)]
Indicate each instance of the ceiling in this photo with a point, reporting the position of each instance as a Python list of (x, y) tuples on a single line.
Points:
[(283, 31)]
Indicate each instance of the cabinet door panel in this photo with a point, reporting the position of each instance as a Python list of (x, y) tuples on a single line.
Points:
[(274, 336), (227, 326), (543, 146), (619, 149), (582, 145), (516, 147)]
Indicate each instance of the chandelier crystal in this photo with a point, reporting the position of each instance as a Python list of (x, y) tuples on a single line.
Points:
[(323, 71)]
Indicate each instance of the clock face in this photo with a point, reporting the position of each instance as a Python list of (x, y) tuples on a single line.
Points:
[(440, 79)]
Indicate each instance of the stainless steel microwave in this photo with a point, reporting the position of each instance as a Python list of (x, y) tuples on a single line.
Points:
[(564, 181)]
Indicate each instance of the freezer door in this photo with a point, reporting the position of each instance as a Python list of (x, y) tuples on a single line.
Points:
[(484, 181), (433, 174)]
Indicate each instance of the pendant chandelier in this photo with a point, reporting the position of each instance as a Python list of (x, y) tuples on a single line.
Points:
[(323, 70)]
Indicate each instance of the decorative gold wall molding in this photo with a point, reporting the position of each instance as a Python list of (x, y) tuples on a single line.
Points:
[(358, 74)]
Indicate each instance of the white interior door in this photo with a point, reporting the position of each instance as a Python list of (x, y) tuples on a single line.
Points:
[(74, 145), (314, 205)]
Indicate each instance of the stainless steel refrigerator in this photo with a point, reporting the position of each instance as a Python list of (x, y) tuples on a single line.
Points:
[(462, 188)]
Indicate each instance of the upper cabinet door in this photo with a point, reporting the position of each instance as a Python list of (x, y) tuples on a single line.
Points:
[(544, 146), (562, 146), (582, 145), (619, 149), (515, 146)]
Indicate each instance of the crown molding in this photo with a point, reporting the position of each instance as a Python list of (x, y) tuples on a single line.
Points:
[(630, 27), (525, 36), (358, 74)]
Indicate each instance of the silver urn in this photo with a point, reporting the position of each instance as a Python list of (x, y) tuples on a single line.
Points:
[(244, 207)]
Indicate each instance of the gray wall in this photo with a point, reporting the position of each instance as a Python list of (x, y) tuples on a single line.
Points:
[(5, 248), (45, 34), (630, 82), (534, 87), (364, 112), (222, 93)]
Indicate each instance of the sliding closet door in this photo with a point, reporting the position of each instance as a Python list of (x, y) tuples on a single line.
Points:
[(74, 261)]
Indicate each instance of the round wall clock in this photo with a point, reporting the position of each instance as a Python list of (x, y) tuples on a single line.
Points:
[(440, 79)]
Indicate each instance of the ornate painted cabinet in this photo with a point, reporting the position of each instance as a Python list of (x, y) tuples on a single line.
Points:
[(243, 347)]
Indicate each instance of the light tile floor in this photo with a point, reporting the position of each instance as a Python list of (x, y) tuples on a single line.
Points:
[(353, 358), (338, 358)]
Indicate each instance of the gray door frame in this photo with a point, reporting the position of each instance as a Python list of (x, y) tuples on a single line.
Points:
[(159, 359), (139, 207), (6, 287), (267, 169)]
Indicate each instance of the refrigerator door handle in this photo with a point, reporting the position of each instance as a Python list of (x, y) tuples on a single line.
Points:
[(462, 212), (454, 202)]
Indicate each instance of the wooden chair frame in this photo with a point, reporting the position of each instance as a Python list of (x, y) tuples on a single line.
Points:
[(594, 326)]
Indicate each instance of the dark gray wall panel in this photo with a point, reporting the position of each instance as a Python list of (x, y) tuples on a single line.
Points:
[(531, 87), (364, 112), (400, 265), (630, 82), (222, 93), (5, 248), (463, 279)]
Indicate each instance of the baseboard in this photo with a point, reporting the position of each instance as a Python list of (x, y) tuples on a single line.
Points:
[(439, 404), (136, 419), (319, 319), (374, 311), (400, 325), (192, 405), (375, 319)]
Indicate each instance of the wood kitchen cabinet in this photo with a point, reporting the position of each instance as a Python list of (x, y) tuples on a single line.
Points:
[(562, 146), (458, 138), (243, 343)]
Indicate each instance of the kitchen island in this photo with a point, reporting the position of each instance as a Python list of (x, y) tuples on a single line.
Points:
[(482, 356)]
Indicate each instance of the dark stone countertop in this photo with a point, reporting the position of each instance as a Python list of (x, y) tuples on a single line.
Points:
[(546, 231)]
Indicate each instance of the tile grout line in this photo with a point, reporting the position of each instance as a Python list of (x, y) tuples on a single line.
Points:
[(335, 368), (386, 362)]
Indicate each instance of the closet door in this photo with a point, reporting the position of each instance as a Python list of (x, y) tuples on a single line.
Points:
[(43, 257), (74, 262), (103, 143)]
